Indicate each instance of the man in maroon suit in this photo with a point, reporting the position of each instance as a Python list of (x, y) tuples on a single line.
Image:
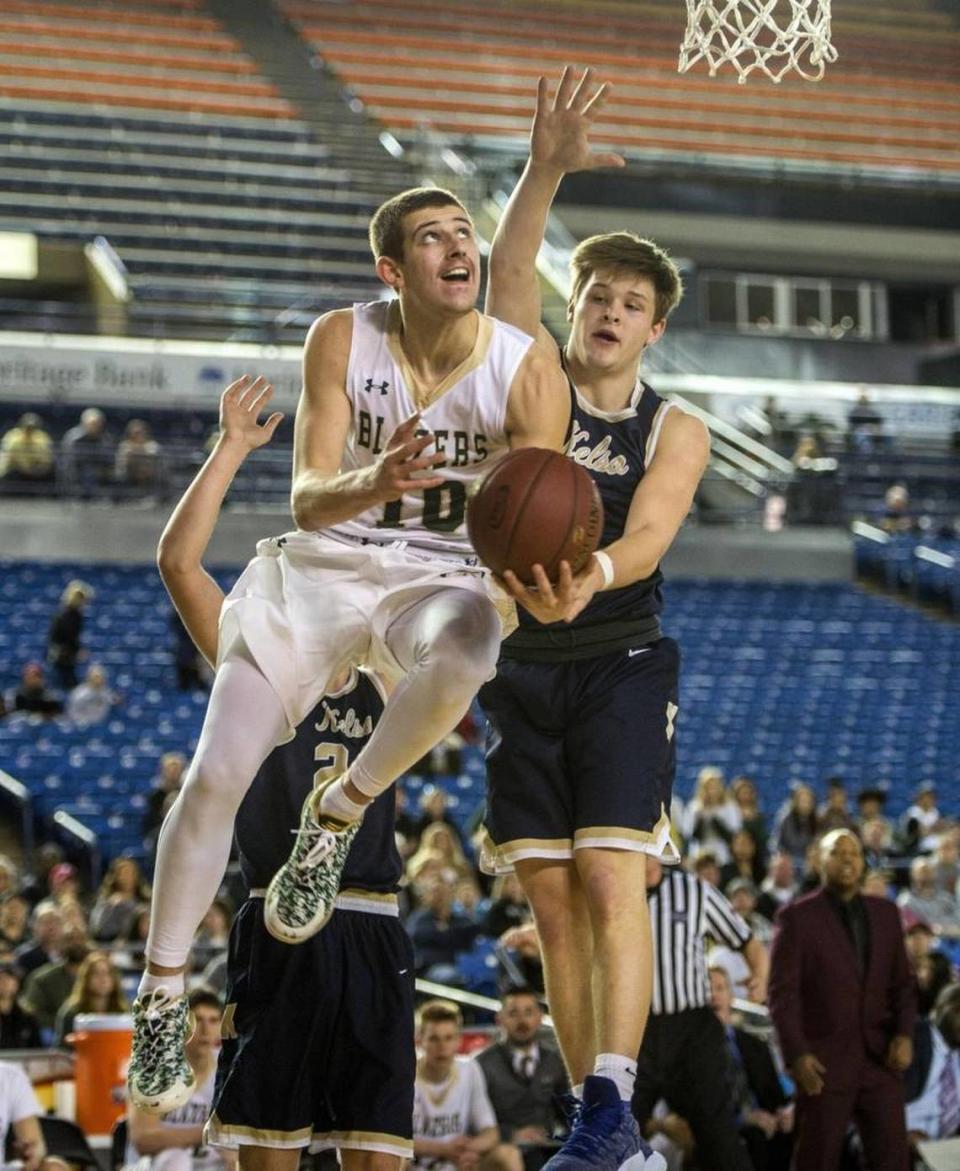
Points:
[(842, 1001)]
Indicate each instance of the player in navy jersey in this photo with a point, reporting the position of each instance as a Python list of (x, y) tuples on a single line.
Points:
[(582, 711), (334, 1068)]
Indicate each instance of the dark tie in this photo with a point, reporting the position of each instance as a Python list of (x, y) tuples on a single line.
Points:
[(949, 1100), (740, 1096)]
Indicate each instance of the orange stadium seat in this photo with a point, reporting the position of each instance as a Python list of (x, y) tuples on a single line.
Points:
[(892, 101)]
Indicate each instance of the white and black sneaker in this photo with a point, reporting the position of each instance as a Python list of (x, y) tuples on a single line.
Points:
[(160, 1078), (301, 895)]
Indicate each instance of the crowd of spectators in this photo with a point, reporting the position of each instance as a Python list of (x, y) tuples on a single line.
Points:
[(88, 462), (65, 949)]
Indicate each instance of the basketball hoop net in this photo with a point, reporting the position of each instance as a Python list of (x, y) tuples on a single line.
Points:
[(775, 36)]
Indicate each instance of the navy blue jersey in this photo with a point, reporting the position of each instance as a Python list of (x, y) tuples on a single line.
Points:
[(326, 742), (615, 448)]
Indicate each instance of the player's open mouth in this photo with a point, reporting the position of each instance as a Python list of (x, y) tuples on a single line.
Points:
[(604, 335), (456, 275)]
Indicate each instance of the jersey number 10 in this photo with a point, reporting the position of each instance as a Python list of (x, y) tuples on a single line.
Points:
[(444, 508)]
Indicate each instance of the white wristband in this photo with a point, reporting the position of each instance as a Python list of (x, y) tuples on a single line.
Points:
[(606, 568)]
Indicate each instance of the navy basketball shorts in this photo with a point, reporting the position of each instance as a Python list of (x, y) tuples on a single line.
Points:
[(581, 754), (318, 1047)]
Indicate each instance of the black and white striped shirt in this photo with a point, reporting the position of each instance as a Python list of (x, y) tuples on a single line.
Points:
[(683, 911)]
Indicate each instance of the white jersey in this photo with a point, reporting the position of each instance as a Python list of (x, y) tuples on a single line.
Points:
[(194, 1112), (17, 1097), (466, 412), (458, 1106)]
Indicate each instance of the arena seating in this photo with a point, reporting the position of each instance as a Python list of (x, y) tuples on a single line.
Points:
[(469, 70), (785, 682), (146, 123)]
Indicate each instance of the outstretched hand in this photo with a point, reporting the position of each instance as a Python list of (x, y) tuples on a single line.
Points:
[(240, 407), (561, 601), (560, 137)]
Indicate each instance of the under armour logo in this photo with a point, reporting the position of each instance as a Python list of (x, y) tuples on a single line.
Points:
[(369, 385), (672, 710)]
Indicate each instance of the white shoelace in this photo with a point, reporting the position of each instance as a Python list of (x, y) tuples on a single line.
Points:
[(322, 848)]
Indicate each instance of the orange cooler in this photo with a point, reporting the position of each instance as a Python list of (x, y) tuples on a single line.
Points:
[(102, 1045)]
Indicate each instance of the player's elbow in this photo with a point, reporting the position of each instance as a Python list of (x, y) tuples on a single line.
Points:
[(172, 563)]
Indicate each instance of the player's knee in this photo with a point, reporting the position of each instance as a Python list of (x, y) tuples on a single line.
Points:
[(467, 648), (613, 883), (213, 782)]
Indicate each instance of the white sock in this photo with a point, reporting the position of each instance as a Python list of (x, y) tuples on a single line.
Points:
[(335, 803), (577, 1092), (150, 983), (622, 1071)]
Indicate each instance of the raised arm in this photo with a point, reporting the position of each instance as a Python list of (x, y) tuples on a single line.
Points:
[(322, 495), (184, 540), (559, 145)]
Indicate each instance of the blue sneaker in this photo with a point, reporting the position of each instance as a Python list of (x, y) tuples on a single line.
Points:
[(605, 1135)]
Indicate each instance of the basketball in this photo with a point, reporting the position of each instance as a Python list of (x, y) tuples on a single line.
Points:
[(535, 507)]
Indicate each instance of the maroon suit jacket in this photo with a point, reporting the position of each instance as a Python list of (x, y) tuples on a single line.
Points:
[(819, 1002)]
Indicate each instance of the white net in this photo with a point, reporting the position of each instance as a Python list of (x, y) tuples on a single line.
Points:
[(775, 36)]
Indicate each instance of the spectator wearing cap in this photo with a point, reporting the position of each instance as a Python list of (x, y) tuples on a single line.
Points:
[(938, 907), (835, 812), (88, 455), (43, 946), (932, 1083), (64, 884), (922, 824), (33, 695), (26, 454), (18, 1026), (64, 648)]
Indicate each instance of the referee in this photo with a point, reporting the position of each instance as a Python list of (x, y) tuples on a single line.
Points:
[(684, 1056)]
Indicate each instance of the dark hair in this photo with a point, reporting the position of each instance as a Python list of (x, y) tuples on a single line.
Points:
[(204, 997), (518, 990), (386, 227)]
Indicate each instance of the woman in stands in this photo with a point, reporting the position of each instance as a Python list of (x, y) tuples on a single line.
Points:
[(96, 990)]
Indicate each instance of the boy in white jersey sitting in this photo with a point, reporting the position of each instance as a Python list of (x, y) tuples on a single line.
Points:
[(454, 1126), (379, 571), (174, 1142)]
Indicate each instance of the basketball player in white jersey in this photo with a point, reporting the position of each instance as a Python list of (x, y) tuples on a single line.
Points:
[(579, 782), (379, 571), (454, 1124)]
